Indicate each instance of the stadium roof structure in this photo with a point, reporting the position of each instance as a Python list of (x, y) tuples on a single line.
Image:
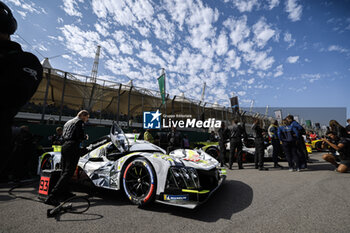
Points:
[(67, 90)]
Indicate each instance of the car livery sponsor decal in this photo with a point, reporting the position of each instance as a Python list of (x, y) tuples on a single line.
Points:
[(175, 197), (192, 156)]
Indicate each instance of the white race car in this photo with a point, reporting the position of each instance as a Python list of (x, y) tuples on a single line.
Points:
[(145, 172)]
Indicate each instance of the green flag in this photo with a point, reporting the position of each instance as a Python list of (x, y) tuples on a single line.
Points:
[(161, 83), (308, 123)]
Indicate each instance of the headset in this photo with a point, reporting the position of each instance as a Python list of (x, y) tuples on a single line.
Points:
[(8, 23)]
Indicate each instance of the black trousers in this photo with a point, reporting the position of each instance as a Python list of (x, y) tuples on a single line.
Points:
[(235, 144), (6, 147), (69, 161), (259, 152), (222, 153), (302, 152), (292, 156), (276, 150)]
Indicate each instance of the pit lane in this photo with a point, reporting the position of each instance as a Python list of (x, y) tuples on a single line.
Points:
[(315, 200)]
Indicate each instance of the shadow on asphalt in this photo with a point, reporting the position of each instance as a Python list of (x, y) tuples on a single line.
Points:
[(319, 166), (231, 198)]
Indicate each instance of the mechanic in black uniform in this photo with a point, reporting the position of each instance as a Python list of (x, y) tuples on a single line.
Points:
[(224, 135), (73, 134), (258, 134), (237, 132), (20, 74)]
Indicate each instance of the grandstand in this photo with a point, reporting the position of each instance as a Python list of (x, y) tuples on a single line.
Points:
[(62, 94)]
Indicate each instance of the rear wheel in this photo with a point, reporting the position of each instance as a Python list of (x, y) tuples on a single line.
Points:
[(139, 182), (318, 146)]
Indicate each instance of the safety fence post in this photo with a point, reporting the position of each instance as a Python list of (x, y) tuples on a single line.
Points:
[(48, 76), (62, 97)]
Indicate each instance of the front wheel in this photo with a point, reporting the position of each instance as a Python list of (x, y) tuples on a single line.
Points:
[(213, 153), (139, 182)]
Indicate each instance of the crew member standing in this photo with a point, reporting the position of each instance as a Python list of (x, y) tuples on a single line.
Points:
[(73, 134), (20, 73), (272, 131), (223, 137), (289, 136), (236, 134), (300, 142), (258, 134), (174, 140)]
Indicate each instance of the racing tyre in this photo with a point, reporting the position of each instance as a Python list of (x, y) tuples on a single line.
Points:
[(139, 182), (46, 163), (318, 146), (213, 153)]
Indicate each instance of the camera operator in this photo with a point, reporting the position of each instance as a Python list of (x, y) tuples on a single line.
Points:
[(20, 73), (342, 145)]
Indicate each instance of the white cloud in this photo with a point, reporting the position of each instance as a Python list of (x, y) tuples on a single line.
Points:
[(273, 3), (59, 20), (222, 44), (200, 26), (294, 10), (22, 13), (292, 59), (71, 7), (82, 42), (102, 30), (238, 27), (263, 33), (244, 5), (163, 29), (288, 38), (137, 14), (232, 60), (279, 71), (337, 48), (250, 81), (27, 7), (241, 93)]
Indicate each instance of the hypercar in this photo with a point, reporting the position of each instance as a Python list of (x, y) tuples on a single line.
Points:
[(248, 150), (144, 171)]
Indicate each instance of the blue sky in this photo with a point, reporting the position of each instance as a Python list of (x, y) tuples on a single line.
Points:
[(286, 53)]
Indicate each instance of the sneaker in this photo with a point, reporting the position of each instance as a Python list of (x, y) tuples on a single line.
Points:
[(241, 168), (291, 169), (298, 170)]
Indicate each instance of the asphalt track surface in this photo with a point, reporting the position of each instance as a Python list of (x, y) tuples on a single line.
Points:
[(314, 200)]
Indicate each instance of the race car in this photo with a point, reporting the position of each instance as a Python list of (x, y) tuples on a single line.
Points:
[(248, 150), (144, 171), (315, 145)]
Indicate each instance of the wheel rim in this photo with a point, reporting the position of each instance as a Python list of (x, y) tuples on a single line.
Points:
[(138, 180), (46, 164), (213, 153)]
